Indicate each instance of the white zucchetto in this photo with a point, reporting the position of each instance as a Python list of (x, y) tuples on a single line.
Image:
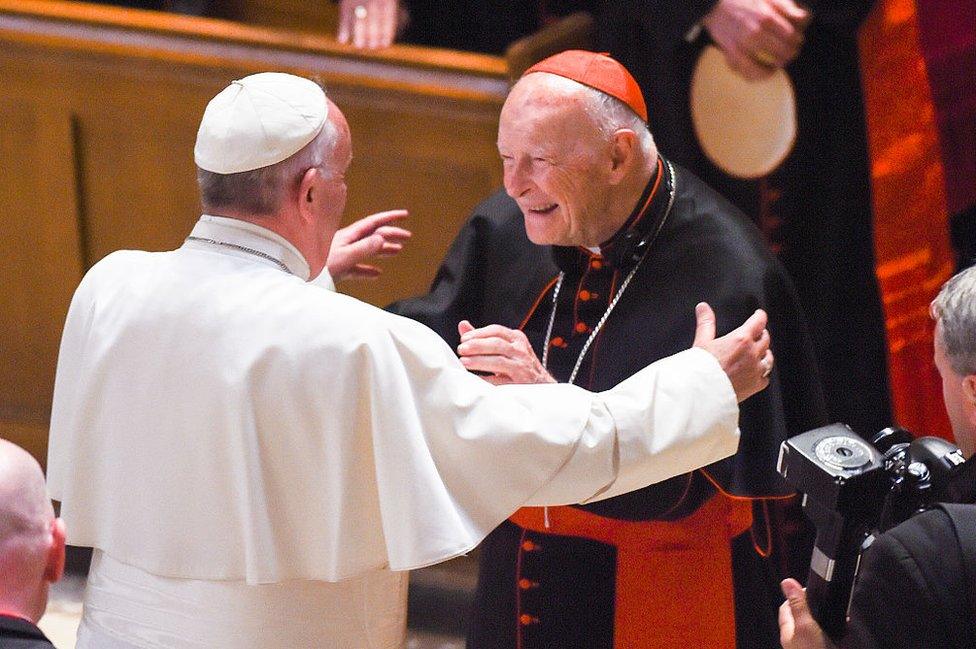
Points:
[(258, 121)]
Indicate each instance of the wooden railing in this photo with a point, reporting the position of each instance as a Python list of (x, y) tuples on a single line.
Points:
[(98, 115)]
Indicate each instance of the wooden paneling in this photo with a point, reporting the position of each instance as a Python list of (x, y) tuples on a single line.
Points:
[(97, 124), (39, 260), (134, 191), (320, 16)]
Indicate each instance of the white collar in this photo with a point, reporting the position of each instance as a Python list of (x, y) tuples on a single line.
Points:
[(244, 233)]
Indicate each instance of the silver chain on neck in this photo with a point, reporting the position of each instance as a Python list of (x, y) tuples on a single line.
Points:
[(613, 302), (251, 251)]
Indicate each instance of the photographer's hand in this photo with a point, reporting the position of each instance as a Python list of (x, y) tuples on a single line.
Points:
[(797, 628)]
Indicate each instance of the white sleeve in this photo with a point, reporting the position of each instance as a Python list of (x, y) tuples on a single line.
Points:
[(455, 456), (676, 415)]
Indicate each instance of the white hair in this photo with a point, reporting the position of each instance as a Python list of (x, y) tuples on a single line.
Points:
[(260, 191), (955, 310), (611, 115), (608, 113)]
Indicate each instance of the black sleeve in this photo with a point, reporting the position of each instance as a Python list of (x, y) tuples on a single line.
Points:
[(794, 401), (487, 26), (457, 292), (840, 15), (911, 591), (666, 20)]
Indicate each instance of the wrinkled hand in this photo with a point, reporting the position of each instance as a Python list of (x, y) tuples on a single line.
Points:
[(757, 36), (368, 24), (743, 353), (504, 354), (797, 628), (370, 236)]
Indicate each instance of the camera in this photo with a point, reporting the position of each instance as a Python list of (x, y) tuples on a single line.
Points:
[(854, 489)]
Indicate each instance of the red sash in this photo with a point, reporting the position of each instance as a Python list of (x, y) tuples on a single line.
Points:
[(674, 578)]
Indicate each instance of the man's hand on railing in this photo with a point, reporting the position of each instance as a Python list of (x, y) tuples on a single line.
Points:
[(369, 24)]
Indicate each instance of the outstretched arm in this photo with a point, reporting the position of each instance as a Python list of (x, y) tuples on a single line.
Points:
[(506, 357)]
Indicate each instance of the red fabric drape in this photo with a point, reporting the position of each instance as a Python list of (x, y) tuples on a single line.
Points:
[(947, 33), (914, 256)]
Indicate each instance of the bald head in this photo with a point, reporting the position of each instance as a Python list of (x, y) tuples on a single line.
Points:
[(31, 539), (25, 508)]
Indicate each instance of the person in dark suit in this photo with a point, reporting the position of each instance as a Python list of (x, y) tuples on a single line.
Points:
[(916, 586), (31, 548), (18, 633)]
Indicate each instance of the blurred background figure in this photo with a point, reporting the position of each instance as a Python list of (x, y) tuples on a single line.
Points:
[(917, 61), (487, 26), (815, 210), (31, 548), (947, 41)]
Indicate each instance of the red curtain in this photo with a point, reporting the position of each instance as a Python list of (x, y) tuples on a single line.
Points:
[(914, 256)]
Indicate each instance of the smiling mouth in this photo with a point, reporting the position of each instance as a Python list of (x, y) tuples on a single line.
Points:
[(542, 209)]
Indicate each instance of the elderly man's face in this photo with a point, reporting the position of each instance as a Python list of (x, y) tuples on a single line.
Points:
[(556, 165), (958, 403)]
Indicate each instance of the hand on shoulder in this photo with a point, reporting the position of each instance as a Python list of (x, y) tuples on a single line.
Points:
[(743, 353)]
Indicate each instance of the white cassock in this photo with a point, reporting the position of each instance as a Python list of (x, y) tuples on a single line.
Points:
[(257, 460)]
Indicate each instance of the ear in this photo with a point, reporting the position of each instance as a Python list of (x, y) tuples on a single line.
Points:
[(969, 388), (54, 569), (307, 193), (623, 150)]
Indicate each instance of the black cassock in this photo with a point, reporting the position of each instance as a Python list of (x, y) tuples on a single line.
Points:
[(562, 592)]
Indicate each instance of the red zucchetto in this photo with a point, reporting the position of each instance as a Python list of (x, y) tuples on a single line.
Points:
[(596, 70)]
